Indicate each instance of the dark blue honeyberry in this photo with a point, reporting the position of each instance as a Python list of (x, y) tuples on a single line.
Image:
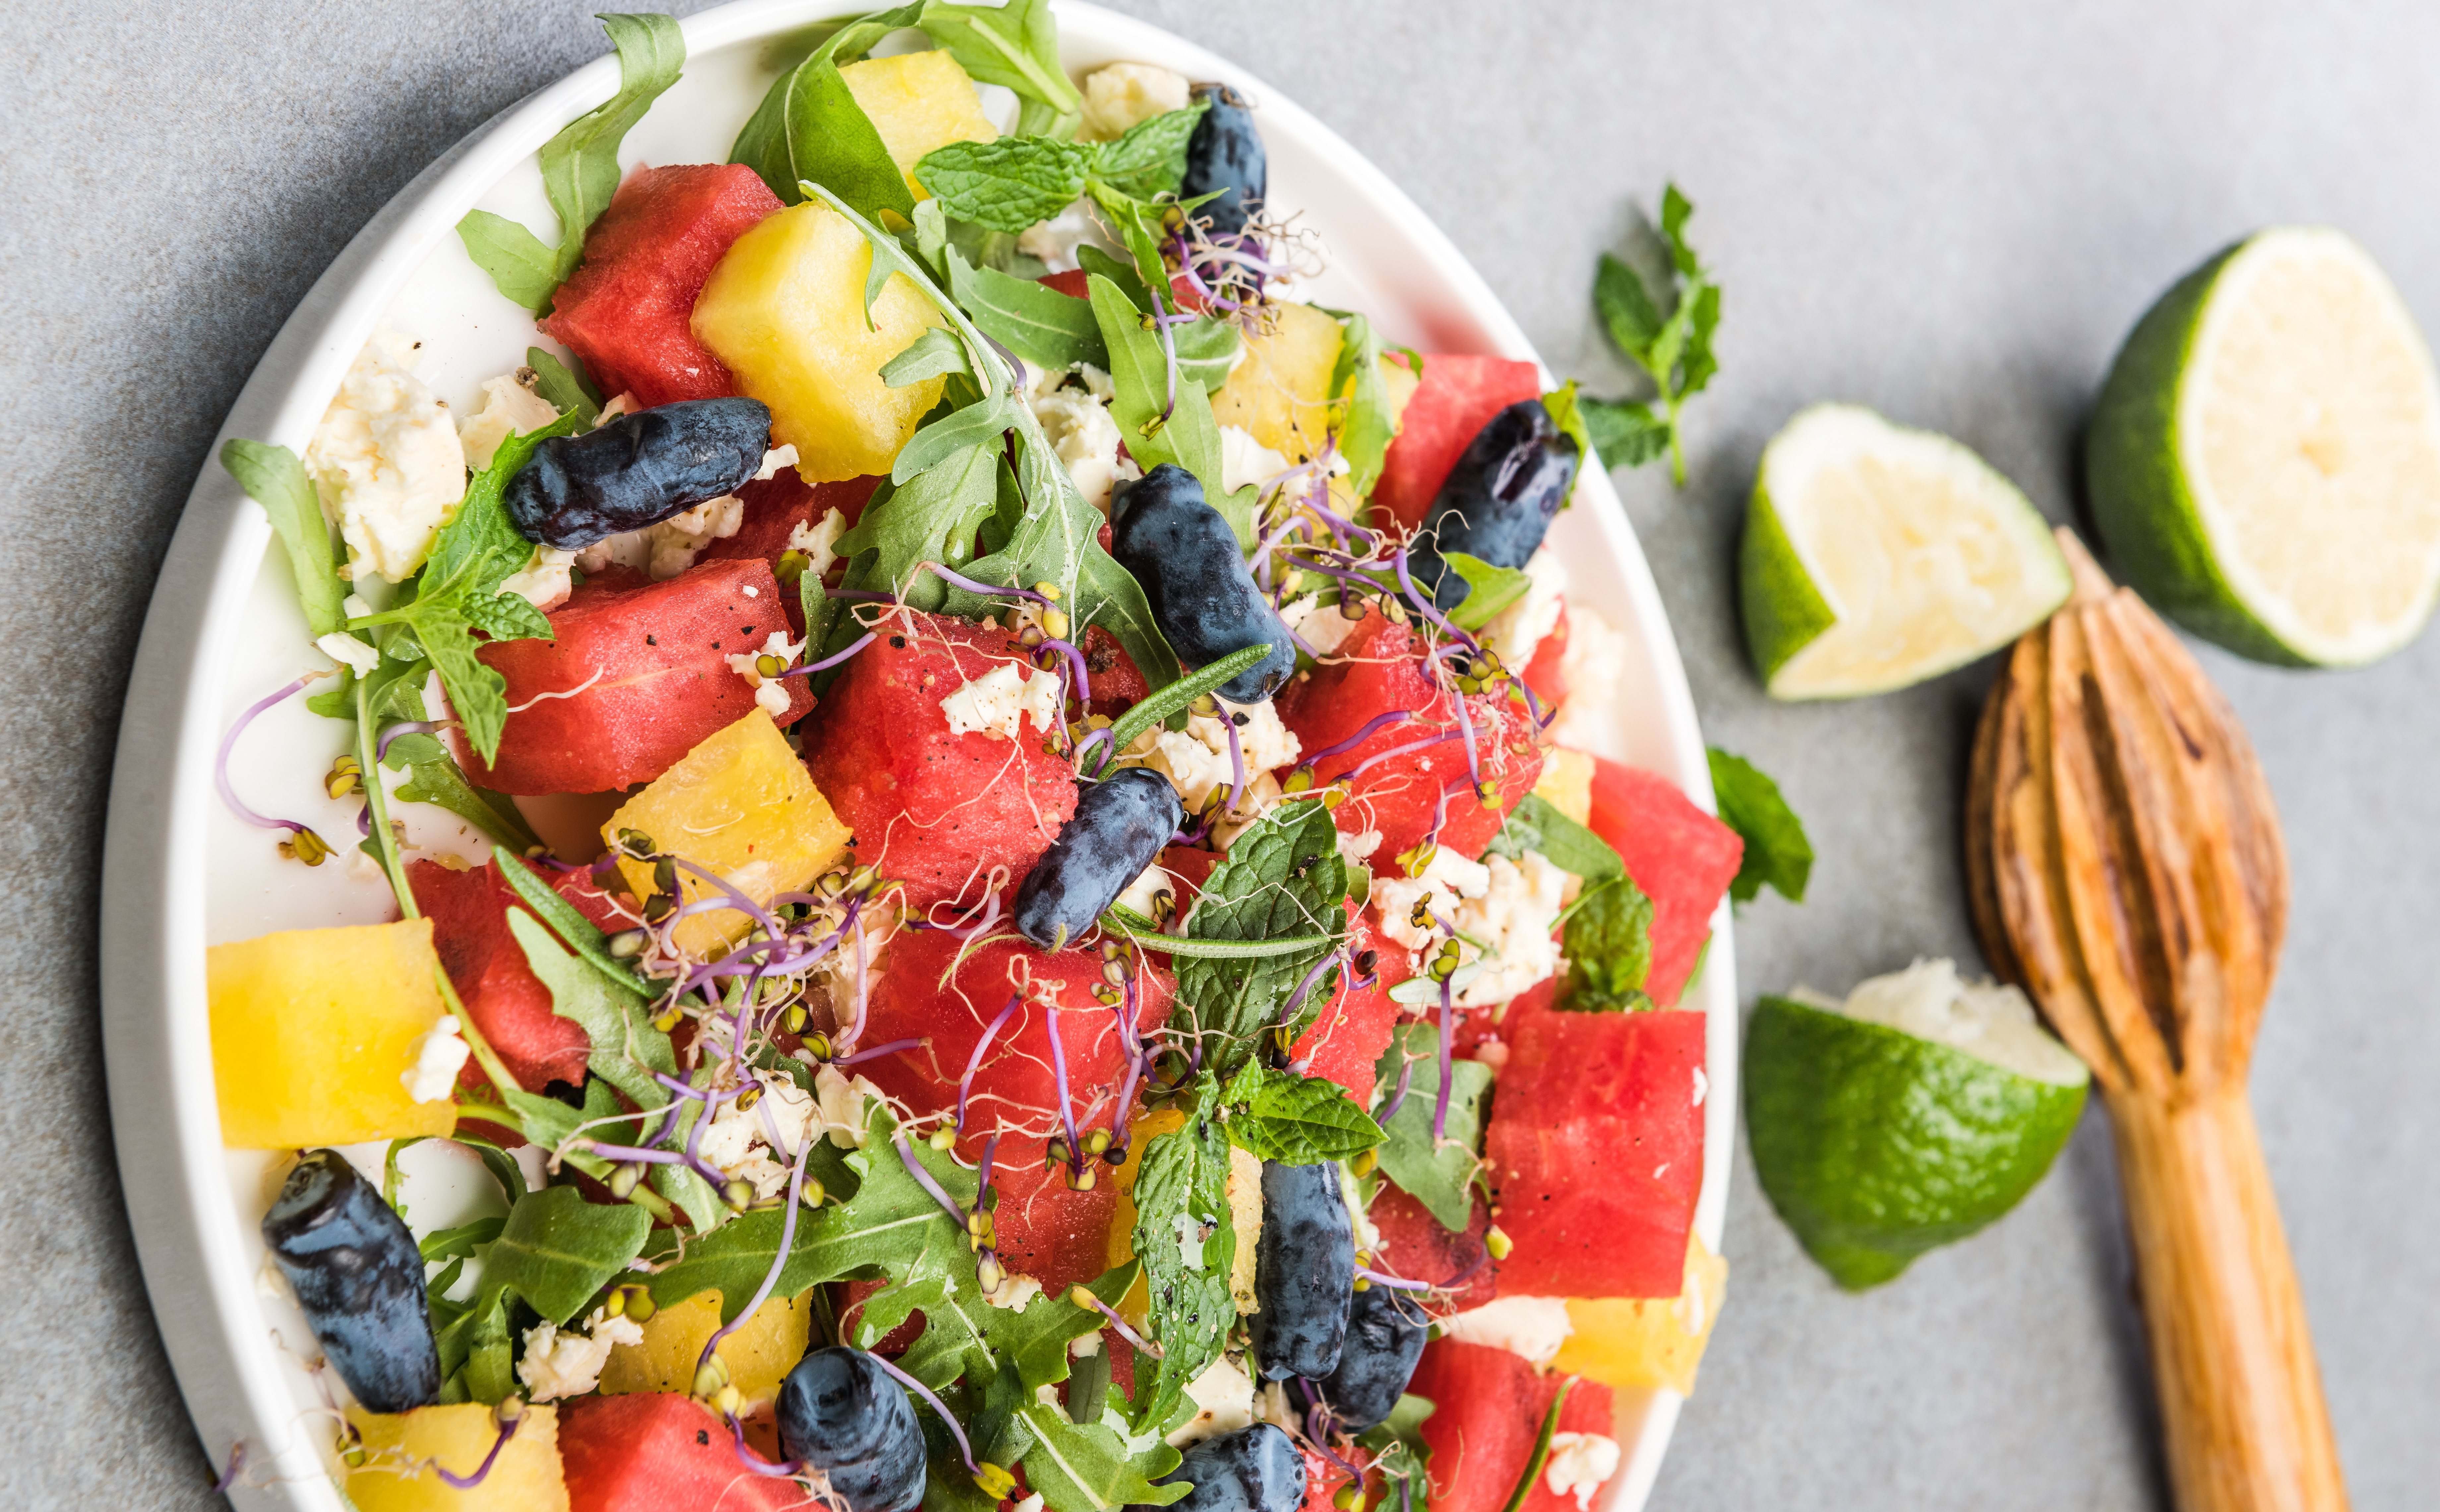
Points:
[(1499, 499), (842, 1413), (638, 470), (1225, 154), (1253, 1469), (1385, 1337), (356, 1270), (1119, 825), (1193, 574), (1304, 1271)]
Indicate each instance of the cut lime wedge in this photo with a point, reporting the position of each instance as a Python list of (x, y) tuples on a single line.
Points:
[(2265, 458), (1919, 1110), (1876, 557)]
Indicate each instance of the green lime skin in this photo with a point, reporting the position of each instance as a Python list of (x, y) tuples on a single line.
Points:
[(1876, 1146), (1783, 610), (2137, 485)]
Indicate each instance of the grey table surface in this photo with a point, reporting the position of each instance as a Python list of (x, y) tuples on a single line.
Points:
[(1949, 212)]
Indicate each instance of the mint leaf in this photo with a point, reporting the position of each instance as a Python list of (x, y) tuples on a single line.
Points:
[(1151, 158), (1561, 405), (1302, 1121), (1489, 589), (1284, 875), (482, 526), (567, 389), (1627, 308), (1439, 1174), (434, 777), (1053, 330), (1182, 1193), (1625, 433), (1534, 825), (1777, 852), (579, 168), (1014, 44), (1008, 185), (278, 481), (1608, 941), (1674, 349)]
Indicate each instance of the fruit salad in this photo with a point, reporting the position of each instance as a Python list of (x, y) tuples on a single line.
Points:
[(1094, 970)]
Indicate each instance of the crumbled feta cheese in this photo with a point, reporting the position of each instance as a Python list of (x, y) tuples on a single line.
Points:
[(1012, 1292), (1359, 848), (842, 1105), (543, 581), (1083, 1346), (1592, 666), (998, 702), (773, 460), (1143, 893), (1195, 759), (1243, 459), (1510, 906), (1053, 243), (348, 651), (1579, 1465), (818, 539), (1262, 791), (737, 1140), (1244, 1188), (770, 693), (356, 605), (1321, 625), (509, 408), (1125, 95), (1531, 1326), (1031, 1504), (385, 459), (565, 1363), (623, 403), (1224, 1402), (439, 1055), (1515, 631), (1448, 878), (666, 550), (1080, 431)]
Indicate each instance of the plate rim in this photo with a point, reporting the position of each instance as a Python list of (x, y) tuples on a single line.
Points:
[(154, 1014)]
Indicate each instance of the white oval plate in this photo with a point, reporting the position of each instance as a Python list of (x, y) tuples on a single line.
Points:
[(180, 873)]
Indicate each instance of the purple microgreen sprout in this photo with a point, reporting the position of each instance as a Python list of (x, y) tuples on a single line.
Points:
[(1059, 1075), (1398, 1096), (1082, 1297), (983, 589), (836, 657), (923, 1178), (975, 1061), (966, 1450), (877, 1052), (228, 743), (778, 1261), (1393, 1283), (508, 1420)]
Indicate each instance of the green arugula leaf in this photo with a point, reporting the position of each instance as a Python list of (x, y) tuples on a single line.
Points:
[(580, 933), (1674, 349), (626, 1048), (1489, 589), (1014, 44), (1566, 412), (564, 389), (1182, 1188), (1365, 426), (434, 777), (1534, 825), (1139, 225), (1085, 1466), (1150, 159), (579, 168), (555, 1251), (451, 1244), (1008, 185), (1301, 1121), (1190, 437), (1284, 875), (1440, 1174), (278, 481), (1777, 852), (831, 141), (933, 354), (762, 144), (1053, 330), (1609, 942), (975, 428), (933, 518)]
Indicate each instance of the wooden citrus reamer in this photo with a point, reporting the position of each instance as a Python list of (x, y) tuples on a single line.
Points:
[(2125, 867)]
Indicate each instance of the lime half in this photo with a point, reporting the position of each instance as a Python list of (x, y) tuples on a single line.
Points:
[(2265, 460), (1876, 557), (1919, 1110)]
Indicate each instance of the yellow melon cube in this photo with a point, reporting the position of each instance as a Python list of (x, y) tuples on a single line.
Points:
[(1648, 1341), (1400, 381), (918, 101), (760, 1354), (785, 310), (313, 1031), (400, 1451), (741, 806), (1281, 393), (1567, 781)]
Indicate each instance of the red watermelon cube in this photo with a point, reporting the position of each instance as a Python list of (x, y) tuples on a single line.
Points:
[(1682, 858), (1488, 1406), (941, 812), (1414, 1245), (510, 1005), (1596, 1152), (1543, 674), (627, 309), (644, 668), (1379, 668), (1456, 397), (1345, 1040), (1042, 1229), (658, 1451), (775, 506)]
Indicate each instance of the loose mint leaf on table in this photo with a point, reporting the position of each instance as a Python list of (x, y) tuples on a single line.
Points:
[(1777, 852), (1439, 1174), (579, 168), (1300, 1120), (1053, 330), (1608, 944), (278, 481), (1182, 1189), (1673, 348), (1008, 185)]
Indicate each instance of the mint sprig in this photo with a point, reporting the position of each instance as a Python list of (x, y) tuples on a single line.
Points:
[(1776, 855), (1296, 1120), (1673, 348), (1181, 1194), (1017, 181), (1284, 876)]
